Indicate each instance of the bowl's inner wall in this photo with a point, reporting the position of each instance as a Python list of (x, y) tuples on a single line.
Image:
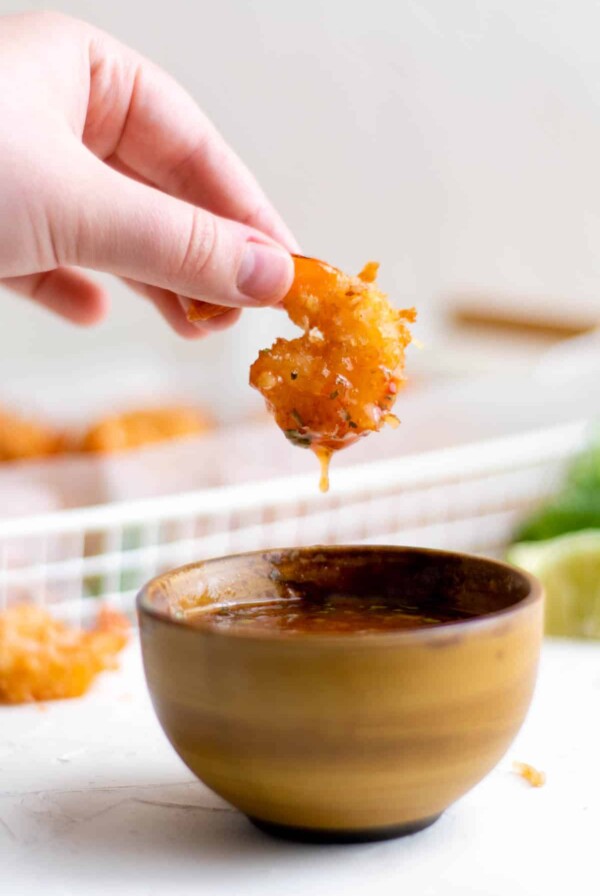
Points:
[(429, 580)]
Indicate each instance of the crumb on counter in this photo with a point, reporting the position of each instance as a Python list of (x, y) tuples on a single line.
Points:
[(530, 774)]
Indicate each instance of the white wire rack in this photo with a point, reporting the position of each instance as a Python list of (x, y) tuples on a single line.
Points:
[(465, 498)]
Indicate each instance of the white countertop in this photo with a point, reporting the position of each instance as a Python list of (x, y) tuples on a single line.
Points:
[(94, 801)]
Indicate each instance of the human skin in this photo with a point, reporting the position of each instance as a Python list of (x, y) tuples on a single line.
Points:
[(107, 164)]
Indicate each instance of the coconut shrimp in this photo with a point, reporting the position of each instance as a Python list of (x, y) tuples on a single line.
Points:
[(21, 439), (134, 429), (44, 659), (339, 380)]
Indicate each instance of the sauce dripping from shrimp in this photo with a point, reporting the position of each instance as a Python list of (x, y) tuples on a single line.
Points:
[(339, 380)]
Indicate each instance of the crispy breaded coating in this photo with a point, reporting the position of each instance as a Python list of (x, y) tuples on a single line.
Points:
[(339, 380)]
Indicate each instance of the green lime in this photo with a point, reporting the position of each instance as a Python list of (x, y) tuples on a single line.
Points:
[(569, 569)]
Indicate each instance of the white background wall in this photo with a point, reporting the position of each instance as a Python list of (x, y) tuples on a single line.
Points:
[(457, 142)]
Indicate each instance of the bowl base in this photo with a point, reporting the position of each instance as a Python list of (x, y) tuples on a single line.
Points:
[(324, 835)]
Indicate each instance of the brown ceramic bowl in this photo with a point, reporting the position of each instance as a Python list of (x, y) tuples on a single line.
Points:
[(344, 737)]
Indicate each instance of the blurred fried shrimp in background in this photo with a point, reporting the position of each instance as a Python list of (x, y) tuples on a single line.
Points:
[(21, 439), (143, 427), (44, 659)]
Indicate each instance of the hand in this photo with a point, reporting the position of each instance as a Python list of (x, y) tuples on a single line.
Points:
[(106, 163)]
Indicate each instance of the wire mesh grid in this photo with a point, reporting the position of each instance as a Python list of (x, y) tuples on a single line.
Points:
[(466, 498)]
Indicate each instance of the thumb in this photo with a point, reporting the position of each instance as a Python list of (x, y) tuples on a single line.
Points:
[(127, 228)]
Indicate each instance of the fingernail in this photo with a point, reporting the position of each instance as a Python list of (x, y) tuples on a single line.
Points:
[(265, 273)]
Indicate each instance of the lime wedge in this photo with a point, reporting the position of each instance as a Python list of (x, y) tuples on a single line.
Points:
[(569, 569)]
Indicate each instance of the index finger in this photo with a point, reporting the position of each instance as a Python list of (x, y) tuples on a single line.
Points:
[(141, 118)]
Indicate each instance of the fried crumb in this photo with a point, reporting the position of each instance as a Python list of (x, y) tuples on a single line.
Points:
[(200, 311), (529, 773)]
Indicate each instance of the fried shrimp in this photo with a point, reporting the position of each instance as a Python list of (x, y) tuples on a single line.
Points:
[(339, 380), (44, 659), (22, 439), (145, 427)]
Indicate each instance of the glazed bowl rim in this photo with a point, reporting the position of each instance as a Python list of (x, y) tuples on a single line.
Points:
[(441, 632)]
